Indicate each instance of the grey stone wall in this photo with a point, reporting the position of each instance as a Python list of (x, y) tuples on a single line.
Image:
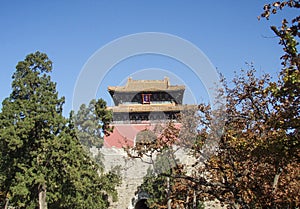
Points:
[(132, 173)]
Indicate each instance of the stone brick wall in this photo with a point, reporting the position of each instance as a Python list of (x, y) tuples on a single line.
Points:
[(132, 173)]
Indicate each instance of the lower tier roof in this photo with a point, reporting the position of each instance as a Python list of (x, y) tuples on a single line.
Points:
[(149, 108)]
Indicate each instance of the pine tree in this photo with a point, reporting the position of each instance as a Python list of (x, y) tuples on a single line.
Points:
[(42, 162), (92, 121)]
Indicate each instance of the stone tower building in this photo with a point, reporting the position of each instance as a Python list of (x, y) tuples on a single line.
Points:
[(139, 105)]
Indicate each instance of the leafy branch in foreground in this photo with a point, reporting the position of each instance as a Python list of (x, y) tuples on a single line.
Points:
[(257, 161)]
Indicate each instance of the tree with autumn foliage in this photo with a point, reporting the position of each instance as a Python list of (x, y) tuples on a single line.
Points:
[(252, 160)]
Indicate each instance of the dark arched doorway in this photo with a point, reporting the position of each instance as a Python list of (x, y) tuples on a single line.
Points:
[(141, 204)]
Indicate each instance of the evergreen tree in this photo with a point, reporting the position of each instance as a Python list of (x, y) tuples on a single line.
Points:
[(42, 162), (92, 122)]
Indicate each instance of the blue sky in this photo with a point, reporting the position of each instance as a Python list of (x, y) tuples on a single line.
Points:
[(70, 32)]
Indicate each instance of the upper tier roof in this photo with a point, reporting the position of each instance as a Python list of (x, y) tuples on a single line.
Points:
[(146, 85)]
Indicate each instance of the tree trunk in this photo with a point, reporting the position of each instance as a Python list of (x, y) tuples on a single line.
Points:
[(194, 200), (276, 178), (42, 196), (6, 203), (168, 193), (169, 203)]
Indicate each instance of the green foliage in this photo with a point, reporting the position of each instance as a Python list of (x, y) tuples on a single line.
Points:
[(89, 125), (104, 115), (166, 184), (40, 151), (156, 183)]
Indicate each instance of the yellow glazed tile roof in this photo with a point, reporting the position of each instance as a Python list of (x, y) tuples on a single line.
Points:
[(146, 85)]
